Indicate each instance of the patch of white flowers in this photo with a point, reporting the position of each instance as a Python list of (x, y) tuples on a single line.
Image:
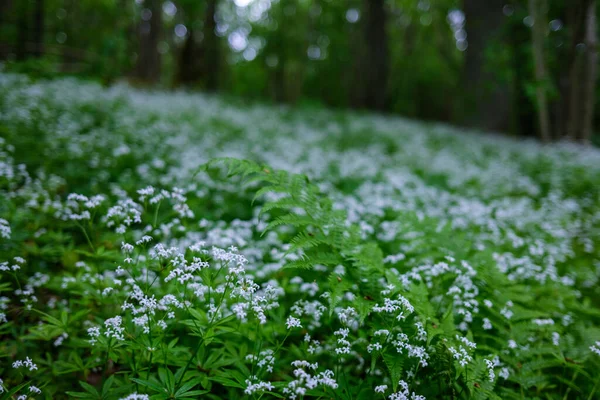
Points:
[(155, 263)]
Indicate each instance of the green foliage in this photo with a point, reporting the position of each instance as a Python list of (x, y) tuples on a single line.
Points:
[(128, 271)]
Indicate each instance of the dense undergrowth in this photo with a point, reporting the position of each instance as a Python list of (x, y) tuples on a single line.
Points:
[(355, 256)]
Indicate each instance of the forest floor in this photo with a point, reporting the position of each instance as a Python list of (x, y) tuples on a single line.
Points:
[(479, 254)]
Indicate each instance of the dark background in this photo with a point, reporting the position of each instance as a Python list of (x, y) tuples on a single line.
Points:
[(523, 67)]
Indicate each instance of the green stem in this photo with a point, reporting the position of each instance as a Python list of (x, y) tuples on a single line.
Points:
[(87, 237), (202, 339), (591, 396), (156, 215)]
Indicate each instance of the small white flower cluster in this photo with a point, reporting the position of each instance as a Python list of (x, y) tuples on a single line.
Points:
[(176, 196), (77, 207), (18, 263), (487, 324), (265, 359), (463, 290), (112, 329), (184, 271), (595, 348), (34, 390), (314, 346), (147, 307), (462, 354), (525, 268), (405, 393), (380, 388), (343, 345), (306, 380), (376, 345), (491, 364), (4, 229), (292, 322), (253, 385), (135, 396), (27, 292), (122, 215), (27, 363), (398, 307), (312, 309), (543, 322), (248, 295), (506, 311), (401, 343), (60, 339), (421, 332), (144, 239)]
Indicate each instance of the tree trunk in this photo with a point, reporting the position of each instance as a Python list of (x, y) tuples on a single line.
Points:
[(22, 30), (538, 10), (187, 72), (576, 25), (149, 60), (38, 28), (212, 54), (582, 61), (591, 73), (487, 104), (376, 64)]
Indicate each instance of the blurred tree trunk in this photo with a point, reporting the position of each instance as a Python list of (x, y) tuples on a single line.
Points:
[(22, 30), (582, 23), (38, 28), (538, 10), (575, 22), (211, 49), (149, 60), (187, 71), (487, 101), (591, 72), (376, 67)]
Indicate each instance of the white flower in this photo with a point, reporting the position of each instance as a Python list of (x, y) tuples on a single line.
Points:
[(126, 247), (543, 322), (34, 389), (28, 363), (135, 396), (94, 333), (487, 325), (292, 322), (4, 229), (596, 348), (380, 388)]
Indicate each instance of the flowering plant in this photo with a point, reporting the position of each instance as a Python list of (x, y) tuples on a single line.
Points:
[(132, 273)]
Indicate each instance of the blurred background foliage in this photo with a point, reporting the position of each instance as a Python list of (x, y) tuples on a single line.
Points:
[(525, 67)]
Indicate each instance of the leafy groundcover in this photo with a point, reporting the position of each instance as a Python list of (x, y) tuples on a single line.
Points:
[(177, 246)]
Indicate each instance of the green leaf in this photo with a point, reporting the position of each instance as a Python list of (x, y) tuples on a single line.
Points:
[(226, 382), (107, 385), (152, 385), (8, 395), (188, 386), (81, 395), (167, 378), (192, 393), (89, 388), (394, 364)]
